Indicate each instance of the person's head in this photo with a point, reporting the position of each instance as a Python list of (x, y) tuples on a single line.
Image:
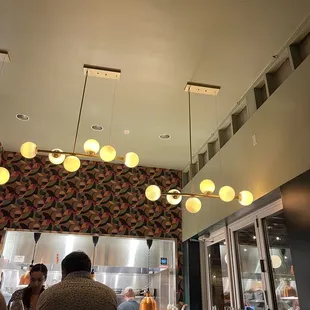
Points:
[(129, 293), (38, 275), (75, 261)]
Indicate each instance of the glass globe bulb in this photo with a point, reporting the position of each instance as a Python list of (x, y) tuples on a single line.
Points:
[(72, 163), (193, 205), (153, 192), (91, 146), (174, 199), (245, 198), (4, 175), (107, 153), (207, 186), (276, 261), (29, 150), (227, 193), (131, 160), (56, 158)]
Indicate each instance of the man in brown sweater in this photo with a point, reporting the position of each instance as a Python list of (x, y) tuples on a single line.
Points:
[(77, 290)]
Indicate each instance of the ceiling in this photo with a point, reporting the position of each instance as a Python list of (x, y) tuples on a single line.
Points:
[(158, 44)]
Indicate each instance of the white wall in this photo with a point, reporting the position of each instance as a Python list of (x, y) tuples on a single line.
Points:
[(282, 128)]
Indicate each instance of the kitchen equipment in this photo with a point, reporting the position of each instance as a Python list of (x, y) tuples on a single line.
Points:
[(95, 242), (36, 237), (25, 278), (148, 302)]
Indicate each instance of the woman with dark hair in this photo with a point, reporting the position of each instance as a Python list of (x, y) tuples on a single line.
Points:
[(30, 295)]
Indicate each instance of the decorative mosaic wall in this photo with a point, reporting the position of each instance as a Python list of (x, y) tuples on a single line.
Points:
[(98, 198)]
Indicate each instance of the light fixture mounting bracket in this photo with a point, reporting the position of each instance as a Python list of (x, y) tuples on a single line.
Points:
[(203, 89), (102, 72), (4, 56)]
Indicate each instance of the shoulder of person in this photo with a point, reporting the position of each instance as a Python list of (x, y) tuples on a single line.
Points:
[(52, 288), (121, 307), (18, 294), (46, 296)]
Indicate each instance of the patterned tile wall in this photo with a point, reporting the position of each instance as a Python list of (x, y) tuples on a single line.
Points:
[(98, 198)]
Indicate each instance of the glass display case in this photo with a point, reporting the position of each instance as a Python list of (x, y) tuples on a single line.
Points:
[(218, 270), (248, 264), (283, 278), (249, 269)]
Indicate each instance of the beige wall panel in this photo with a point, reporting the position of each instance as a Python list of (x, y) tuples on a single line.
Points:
[(282, 128)]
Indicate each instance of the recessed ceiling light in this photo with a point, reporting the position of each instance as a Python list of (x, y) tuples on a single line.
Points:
[(126, 132), (97, 127), (22, 117), (164, 136)]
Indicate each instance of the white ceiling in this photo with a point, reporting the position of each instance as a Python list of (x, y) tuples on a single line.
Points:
[(158, 44)]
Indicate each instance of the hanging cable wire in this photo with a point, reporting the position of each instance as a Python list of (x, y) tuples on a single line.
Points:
[(80, 112), (217, 124), (190, 128), (148, 266), (112, 112), (2, 64), (190, 141)]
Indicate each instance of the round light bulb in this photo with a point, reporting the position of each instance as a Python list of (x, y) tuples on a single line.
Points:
[(91, 146), (131, 160), (153, 192), (207, 186), (29, 150), (193, 205), (4, 175), (245, 198), (276, 261), (174, 199), (56, 158), (107, 153), (72, 163), (227, 193)]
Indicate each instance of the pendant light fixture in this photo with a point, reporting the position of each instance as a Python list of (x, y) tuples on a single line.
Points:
[(207, 187), (71, 160), (148, 302), (4, 173)]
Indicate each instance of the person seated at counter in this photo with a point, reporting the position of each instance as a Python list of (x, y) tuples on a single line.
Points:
[(30, 294), (77, 290), (130, 303)]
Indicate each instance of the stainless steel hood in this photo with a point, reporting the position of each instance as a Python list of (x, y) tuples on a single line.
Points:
[(110, 251)]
